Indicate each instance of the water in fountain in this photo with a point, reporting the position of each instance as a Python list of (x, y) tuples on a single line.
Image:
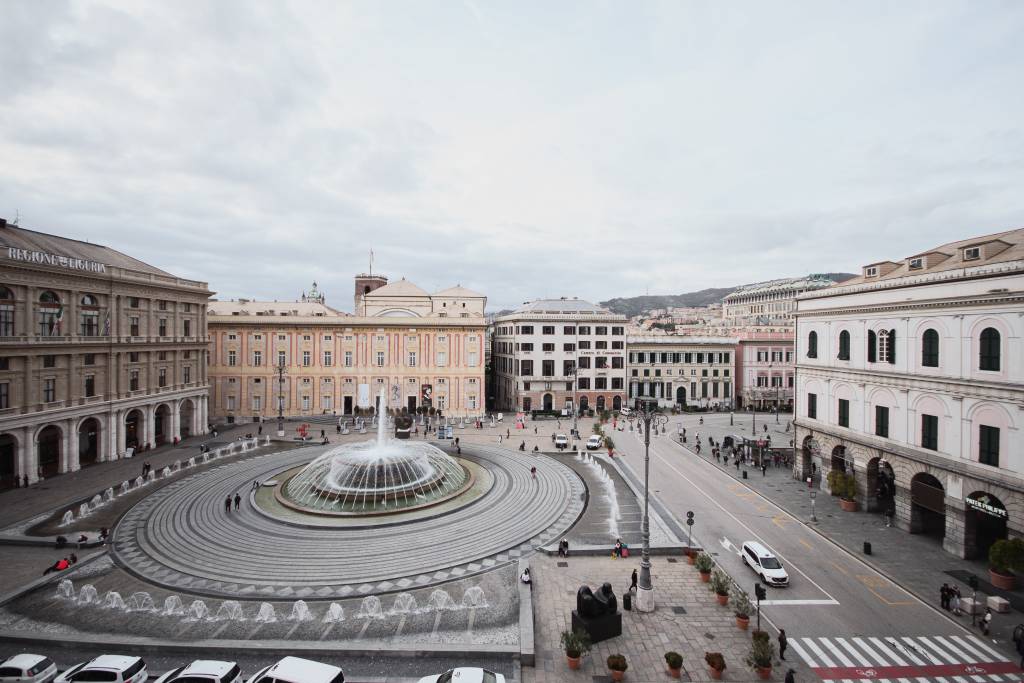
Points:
[(230, 610), (125, 485), (404, 603), (83, 510), (139, 481), (266, 614), (300, 612), (66, 590), (474, 597), (172, 607), (198, 611), (67, 518), (608, 493), (440, 600), (108, 495), (370, 608), (151, 476), (113, 600), (206, 457), (177, 465), (96, 502), (334, 614), (166, 472), (360, 478), (192, 461), (88, 595), (141, 602)]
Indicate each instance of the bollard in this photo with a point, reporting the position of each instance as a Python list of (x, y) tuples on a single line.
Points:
[(744, 474), (867, 548), (627, 601)]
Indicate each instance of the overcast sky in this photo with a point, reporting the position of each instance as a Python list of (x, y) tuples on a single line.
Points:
[(524, 150)]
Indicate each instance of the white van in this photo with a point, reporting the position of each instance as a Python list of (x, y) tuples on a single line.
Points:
[(296, 670), (764, 564)]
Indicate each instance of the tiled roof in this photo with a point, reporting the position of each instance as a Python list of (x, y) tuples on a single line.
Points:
[(21, 238), (559, 306), (398, 288), (272, 308)]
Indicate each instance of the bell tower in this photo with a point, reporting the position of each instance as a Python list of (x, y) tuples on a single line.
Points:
[(366, 283)]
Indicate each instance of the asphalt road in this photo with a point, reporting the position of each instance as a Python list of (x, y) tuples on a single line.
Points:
[(831, 592)]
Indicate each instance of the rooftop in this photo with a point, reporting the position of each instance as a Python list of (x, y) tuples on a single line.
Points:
[(780, 285), (563, 305), (272, 308)]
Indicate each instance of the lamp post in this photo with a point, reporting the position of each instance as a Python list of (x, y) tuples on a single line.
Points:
[(645, 414), (772, 380), (280, 398)]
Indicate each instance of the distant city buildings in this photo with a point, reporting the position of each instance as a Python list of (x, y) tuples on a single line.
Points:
[(770, 302), (910, 378)]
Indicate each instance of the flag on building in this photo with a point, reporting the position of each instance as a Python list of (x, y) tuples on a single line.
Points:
[(57, 320), (106, 326)]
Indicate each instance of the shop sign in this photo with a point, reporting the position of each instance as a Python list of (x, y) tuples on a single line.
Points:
[(43, 258), (983, 504)]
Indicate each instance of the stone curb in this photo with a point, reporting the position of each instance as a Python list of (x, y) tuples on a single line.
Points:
[(43, 580), (526, 627), (604, 550)]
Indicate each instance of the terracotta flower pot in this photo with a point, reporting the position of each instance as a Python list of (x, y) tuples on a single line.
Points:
[(848, 505), (705, 576), (675, 673), (617, 675), (716, 674), (742, 622), (1005, 581), (691, 558), (764, 672), (722, 599), (574, 662)]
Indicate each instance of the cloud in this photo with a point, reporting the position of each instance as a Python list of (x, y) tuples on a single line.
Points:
[(592, 150)]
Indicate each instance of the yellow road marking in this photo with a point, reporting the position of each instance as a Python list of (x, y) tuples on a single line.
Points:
[(873, 582), (805, 544), (840, 569)]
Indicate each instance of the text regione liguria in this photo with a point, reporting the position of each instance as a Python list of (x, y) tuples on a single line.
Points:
[(29, 256)]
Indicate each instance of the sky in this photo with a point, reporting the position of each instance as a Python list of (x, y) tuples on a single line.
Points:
[(522, 149)]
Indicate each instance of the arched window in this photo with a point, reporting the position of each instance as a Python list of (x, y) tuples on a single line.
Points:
[(844, 345), (872, 346), (90, 300), (89, 323), (930, 349), (812, 345), (6, 294), (51, 315), (989, 351), (886, 346), (49, 297)]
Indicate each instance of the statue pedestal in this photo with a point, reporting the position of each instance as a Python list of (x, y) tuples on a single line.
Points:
[(645, 600), (598, 628)]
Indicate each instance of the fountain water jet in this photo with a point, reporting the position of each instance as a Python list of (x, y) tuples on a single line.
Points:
[(125, 485), (474, 597), (370, 608), (141, 602), (300, 612), (172, 607), (198, 611), (83, 510), (139, 481), (440, 600), (229, 610), (67, 518), (334, 614), (108, 495), (96, 502), (113, 600), (88, 595), (266, 614), (66, 590), (404, 603)]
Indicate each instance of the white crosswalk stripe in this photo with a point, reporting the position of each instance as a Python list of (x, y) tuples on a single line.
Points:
[(905, 659)]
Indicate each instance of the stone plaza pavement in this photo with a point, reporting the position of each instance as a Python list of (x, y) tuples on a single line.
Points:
[(687, 619), (929, 566)]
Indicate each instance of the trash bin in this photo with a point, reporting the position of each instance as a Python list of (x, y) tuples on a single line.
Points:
[(627, 601), (744, 474), (867, 548)]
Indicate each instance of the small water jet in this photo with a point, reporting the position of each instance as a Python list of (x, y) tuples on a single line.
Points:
[(108, 495), (66, 590), (97, 501), (177, 466), (113, 600), (229, 610), (172, 607), (88, 595), (198, 611), (440, 600), (300, 612), (334, 614), (370, 608), (83, 510), (141, 601), (139, 481), (151, 476), (206, 457), (165, 472), (125, 485), (404, 603), (474, 597), (266, 614), (67, 518), (191, 462)]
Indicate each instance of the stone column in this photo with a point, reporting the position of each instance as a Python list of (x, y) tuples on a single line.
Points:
[(65, 447), (902, 503), (176, 421), (23, 463), (150, 439), (71, 458), (953, 542), (122, 435)]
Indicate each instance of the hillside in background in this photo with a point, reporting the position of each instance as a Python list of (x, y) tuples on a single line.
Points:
[(636, 305)]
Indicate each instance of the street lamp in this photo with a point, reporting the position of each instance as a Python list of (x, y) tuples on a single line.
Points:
[(772, 380), (280, 397), (645, 414)]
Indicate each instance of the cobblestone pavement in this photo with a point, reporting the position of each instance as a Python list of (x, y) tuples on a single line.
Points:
[(704, 626), (930, 565)]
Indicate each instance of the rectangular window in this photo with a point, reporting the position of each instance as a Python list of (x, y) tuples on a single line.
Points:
[(257, 359), (583, 383), (569, 330), (525, 346), (162, 305), (618, 345), (472, 359), (133, 302), (812, 406), (89, 359), (90, 324), (49, 390), (930, 432), (5, 395), (526, 329), (526, 368), (844, 412), (133, 326), (882, 421), (600, 383), (133, 357), (162, 355), (307, 359), (305, 402), (257, 403), (762, 356), (133, 380), (618, 331), (49, 361), (584, 330), (6, 320), (703, 389), (442, 359), (618, 362), (547, 368), (617, 383), (547, 329), (988, 445), (569, 347), (328, 359), (584, 345), (90, 385), (282, 358), (230, 403), (380, 359), (186, 374), (601, 345), (348, 359), (187, 328), (162, 377), (412, 359), (600, 329), (568, 367), (162, 327), (547, 347)]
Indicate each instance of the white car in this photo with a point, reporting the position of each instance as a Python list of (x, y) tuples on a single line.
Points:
[(107, 668), (465, 675), (595, 442), (28, 669), (764, 564), (625, 411), (561, 441), (296, 670), (204, 671)]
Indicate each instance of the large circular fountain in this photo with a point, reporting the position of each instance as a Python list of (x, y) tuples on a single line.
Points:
[(375, 477)]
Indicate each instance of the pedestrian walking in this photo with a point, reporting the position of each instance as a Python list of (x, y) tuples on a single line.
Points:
[(533, 472), (338, 429), (255, 485), (766, 428), (535, 431), (499, 439), (260, 430), (227, 504), (789, 676), (238, 500), (508, 433), (986, 621), (632, 582), (1020, 651), (944, 596), (783, 643), (764, 468), (955, 602)]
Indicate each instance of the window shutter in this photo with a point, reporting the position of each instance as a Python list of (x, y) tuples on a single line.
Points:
[(892, 346), (872, 345)]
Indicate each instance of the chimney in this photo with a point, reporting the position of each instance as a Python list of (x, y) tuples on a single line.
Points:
[(3, 223)]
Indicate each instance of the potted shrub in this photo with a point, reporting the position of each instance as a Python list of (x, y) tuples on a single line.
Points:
[(704, 565), (610, 445), (847, 492), (576, 644), (720, 585), (760, 658), (617, 665), (716, 664), (1004, 557), (743, 609), (832, 479), (674, 661)]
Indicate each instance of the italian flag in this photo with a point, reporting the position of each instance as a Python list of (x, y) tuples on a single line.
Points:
[(55, 327)]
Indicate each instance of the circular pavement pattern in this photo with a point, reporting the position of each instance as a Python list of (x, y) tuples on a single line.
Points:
[(181, 538)]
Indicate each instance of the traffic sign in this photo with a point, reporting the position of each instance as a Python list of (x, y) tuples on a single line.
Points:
[(689, 521), (689, 514)]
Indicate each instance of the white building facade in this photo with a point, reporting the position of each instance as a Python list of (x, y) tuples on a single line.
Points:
[(682, 371), (768, 302), (553, 355), (911, 377)]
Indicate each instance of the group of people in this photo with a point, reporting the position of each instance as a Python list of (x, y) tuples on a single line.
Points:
[(237, 500)]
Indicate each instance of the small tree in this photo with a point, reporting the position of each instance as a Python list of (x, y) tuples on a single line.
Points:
[(720, 582), (761, 654), (617, 662), (576, 643), (741, 604), (1007, 556), (704, 563), (674, 660), (609, 444)]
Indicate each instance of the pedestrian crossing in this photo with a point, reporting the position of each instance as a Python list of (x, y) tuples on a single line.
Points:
[(901, 659)]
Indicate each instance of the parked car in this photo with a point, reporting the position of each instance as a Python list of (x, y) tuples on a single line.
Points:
[(465, 674), (561, 441), (204, 671), (625, 411), (296, 670), (108, 668), (595, 442), (764, 564), (28, 668)]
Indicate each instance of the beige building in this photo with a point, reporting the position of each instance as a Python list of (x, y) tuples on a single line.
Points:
[(425, 350), (99, 353), (682, 370)]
